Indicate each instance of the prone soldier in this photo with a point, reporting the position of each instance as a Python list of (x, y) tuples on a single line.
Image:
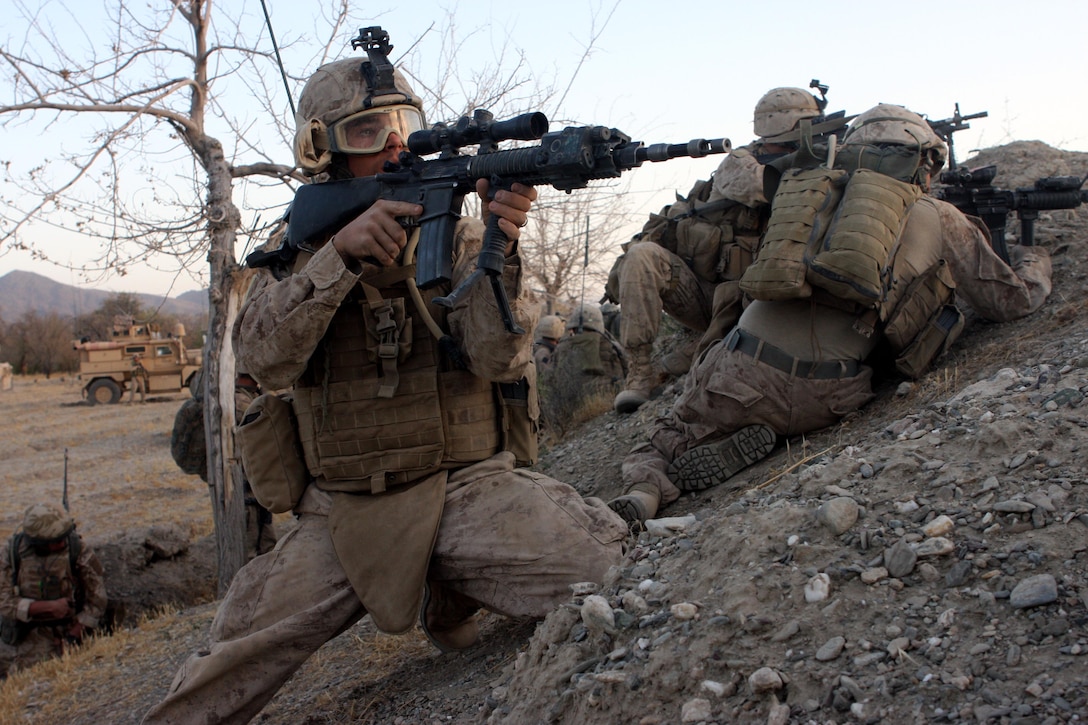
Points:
[(688, 258)]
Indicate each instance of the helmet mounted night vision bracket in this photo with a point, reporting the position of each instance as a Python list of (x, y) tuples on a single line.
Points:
[(378, 70)]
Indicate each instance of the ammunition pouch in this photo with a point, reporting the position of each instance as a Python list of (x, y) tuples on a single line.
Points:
[(519, 413), (852, 260), (936, 337), (926, 321), (271, 454), (801, 213)]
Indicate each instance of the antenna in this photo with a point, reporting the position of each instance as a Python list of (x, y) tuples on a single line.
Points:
[(279, 60), (585, 264), (64, 495)]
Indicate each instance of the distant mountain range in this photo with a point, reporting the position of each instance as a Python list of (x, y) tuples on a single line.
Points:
[(21, 292)]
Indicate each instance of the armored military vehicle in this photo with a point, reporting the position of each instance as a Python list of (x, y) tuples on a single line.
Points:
[(108, 368)]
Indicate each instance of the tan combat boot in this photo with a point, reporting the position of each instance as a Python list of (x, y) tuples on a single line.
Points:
[(642, 378), (448, 618), (715, 463), (635, 507)]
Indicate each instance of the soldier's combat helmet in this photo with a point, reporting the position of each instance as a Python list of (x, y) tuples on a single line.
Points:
[(780, 109), (887, 123), (550, 327), (341, 112), (45, 522), (586, 317)]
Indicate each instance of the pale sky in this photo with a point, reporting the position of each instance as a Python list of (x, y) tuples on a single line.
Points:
[(679, 70)]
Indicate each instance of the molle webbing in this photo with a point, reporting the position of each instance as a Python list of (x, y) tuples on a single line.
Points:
[(855, 256), (800, 213), (357, 439)]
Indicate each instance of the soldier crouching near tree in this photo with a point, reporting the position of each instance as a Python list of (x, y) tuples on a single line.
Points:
[(410, 505)]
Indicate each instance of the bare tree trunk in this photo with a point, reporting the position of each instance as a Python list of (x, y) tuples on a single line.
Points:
[(224, 474)]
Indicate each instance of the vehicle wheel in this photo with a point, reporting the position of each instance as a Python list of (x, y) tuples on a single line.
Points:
[(103, 390)]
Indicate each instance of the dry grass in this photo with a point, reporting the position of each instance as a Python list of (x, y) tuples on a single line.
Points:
[(120, 473), (568, 399)]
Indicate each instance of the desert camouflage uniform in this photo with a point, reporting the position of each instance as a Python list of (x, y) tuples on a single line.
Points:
[(508, 539), (648, 277), (729, 389), (584, 367), (46, 641)]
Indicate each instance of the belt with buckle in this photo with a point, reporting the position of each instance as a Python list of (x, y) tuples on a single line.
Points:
[(779, 359)]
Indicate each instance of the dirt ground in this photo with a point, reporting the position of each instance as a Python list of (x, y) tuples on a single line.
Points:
[(924, 561)]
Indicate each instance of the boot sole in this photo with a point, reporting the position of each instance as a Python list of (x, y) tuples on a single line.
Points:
[(629, 509), (712, 464)]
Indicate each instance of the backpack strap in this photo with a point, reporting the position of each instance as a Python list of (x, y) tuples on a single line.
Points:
[(75, 548), (15, 542)]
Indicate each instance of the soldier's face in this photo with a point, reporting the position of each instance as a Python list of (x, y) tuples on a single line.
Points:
[(362, 165)]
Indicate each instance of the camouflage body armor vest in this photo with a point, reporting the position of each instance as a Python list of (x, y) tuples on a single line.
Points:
[(41, 576), (380, 406), (47, 576), (716, 239)]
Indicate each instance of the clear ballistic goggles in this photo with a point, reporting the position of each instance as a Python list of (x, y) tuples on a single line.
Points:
[(367, 132)]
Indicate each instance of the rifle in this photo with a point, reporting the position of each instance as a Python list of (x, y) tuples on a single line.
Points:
[(972, 192), (566, 160), (946, 127)]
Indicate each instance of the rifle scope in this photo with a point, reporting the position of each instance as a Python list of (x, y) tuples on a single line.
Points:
[(982, 176), (480, 129)]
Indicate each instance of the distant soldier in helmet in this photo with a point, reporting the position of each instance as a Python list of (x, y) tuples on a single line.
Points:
[(414, 507), (548, 331), (687, 259), (800, 362), (588, 351), (52, 591), (587, 362)]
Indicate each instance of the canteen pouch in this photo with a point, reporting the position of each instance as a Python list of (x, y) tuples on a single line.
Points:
[(271, 453)]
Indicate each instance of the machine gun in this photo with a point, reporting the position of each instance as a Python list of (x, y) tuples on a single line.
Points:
[(566, 160), (946, 127), (972, 192)]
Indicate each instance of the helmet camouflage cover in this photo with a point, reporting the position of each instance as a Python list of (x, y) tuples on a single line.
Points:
[(334, 92), (46, 522), (780, 109), (887, 123), (588, 317), (550, 326)]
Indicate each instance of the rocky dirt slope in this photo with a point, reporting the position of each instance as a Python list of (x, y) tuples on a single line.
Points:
[(924, 561)]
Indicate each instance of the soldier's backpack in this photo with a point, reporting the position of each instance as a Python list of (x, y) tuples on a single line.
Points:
[(834, 231), (12, 632), (716, 239), (187, 441)]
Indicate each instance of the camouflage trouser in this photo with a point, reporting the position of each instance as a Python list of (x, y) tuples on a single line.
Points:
[(727, 390), (260, 531), (513, 540), (40, 644), (646, 279)]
